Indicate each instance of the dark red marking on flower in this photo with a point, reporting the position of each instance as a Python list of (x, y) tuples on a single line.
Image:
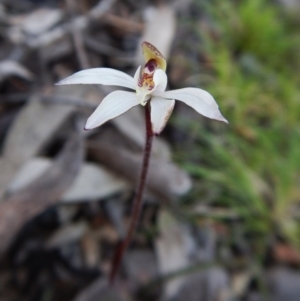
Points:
[(146, 80), (150, 66)]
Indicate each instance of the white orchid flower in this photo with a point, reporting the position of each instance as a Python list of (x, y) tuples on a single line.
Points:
[(149, 84)]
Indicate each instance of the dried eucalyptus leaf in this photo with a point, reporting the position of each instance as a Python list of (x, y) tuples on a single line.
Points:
[(92, 183), (34, 127), (10, 68), (40, 20), (67, 234), (208, 285), (44, 192), (164, 179), (171, 249), (99, 290), (160, 20), (36, 22), (284, 284)]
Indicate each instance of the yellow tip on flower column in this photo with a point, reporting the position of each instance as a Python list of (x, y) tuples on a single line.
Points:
[(151, 52)]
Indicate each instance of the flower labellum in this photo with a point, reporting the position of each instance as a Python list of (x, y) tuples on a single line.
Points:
[(149, 83)]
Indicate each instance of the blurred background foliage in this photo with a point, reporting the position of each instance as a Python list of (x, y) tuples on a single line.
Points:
[(250, 60)]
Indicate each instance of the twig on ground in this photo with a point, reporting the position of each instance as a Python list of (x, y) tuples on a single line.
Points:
[(80, 23), (78, 40), (15, 98)]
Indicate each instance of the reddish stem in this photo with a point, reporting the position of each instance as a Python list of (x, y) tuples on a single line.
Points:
[(137, 203)]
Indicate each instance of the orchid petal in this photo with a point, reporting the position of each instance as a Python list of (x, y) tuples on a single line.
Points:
[(137, 75), (113, 105), (103, 76), (161, 109), (142, 96), (198, 99), (160, 83), (160, 80)]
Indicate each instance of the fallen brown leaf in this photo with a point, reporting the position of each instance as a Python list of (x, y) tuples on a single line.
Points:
[(284, 253)]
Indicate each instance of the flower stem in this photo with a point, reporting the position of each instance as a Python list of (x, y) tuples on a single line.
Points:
[(137, 203)]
